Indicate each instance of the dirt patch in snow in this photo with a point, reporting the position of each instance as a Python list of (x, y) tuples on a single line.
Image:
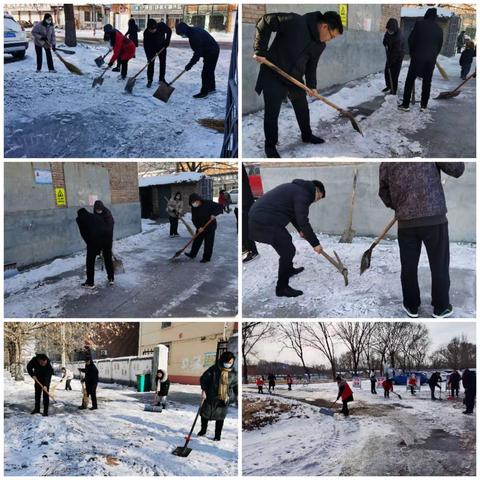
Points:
[(259, 413)]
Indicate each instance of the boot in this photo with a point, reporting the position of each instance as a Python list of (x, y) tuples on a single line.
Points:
[(34, 411), (271, 152), (189, 255), (312, 139), (116, 69), (204, 260), (296, 271), (45, 414), (202, 432), (149, 84), (287, 292)]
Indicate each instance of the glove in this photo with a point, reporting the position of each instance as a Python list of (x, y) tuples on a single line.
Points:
[(110, 64), (44, 39), (54, 48), (188, 67)]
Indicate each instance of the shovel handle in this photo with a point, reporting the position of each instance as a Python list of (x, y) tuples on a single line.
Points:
[(196, 235), (391, 223), (43, 388), (465, 81), (149, 62), (177, 77)]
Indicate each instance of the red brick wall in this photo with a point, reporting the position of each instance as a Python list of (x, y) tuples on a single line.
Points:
[(58, 179), (252, 13), (123, 181)]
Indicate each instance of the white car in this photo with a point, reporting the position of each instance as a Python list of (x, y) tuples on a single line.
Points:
[(234, 195), (14, 38)]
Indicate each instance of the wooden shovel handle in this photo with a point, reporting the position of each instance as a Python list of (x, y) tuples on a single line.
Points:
[(465, 81), (391, 223), (198, 234), (43, 388), (177, 77), (149, 62)]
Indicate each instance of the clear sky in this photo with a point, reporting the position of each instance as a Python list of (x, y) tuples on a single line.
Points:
[(440, 334)]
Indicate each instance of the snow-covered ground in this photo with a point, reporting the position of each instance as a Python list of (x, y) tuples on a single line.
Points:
[(119, 438), (376, 293), (382, 437), (60, 115), (387, 131), (152, 285)]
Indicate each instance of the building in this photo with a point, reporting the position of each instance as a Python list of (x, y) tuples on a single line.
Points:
[(171, 14), (41, 200), (156, 190), (192, 346)]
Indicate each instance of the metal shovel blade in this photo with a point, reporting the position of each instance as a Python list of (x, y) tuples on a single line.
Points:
[(366, 260), (153, 408), (353, 121), (327, 411), (130, 84), (163, 92), (445, 95), (99, 61), (97, 81), (182, 451), (342, 268)]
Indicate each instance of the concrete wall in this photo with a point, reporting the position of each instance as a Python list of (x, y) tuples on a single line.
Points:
[(84, 180), (370, 215), (355, 54)]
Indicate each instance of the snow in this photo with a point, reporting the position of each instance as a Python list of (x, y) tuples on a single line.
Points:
[(71, 442), (387, 132), (180, 177), (377, 293), (60, 115), (420, 12), (412, 436)]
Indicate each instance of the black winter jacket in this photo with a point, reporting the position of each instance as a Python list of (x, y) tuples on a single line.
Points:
[(43, 374), (201, 42), (132, 32), (92, 229), (466, 58), (154, 42), (284, 204), (455, 379), (107, 217), (425, 41), (164, 387), (296, 48), (394, 43), (469, 381), (201, 215), (91, 374)]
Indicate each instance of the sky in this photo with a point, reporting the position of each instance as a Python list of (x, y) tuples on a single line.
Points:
[(440, 334)]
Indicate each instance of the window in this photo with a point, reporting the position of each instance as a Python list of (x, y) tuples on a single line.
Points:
[(166, 324)]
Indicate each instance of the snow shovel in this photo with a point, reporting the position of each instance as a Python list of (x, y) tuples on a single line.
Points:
[(70, 66), (456, 91), (165, 90), (50, 394), (179, 252), (131, 81), (296, 82), (153, 407), (442, 71), (185, 451), (397, 394), (328, 411), (337, 264), (117, 264), (347, 236), (367, 255), (99, 61), (99, 80)]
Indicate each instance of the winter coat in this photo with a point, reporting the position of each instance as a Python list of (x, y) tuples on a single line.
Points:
[(284, 204), (425, 40), (469, 381), (433, 380), (68, 375), (247, 195), (394, 43), (296, 47), (132, 32), (412, 381), (466, 58), (271, 379), (221, 199), (175, 207), (260, 382), (460, 40), (289, 380), (387, 385), (42, 30), (163, 386), (91, 375), (201, 42), (213, 408), (154, 42), (43, 374), (201, 215), (345, 392), (414, 189), (454, 380), (123, 48), (108, 220), (92, 229)]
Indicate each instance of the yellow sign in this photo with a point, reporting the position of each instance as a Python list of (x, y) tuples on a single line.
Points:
[(60, 198), (343, 12)]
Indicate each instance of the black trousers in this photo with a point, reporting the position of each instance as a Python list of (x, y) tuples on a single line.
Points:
[(395, 68), (469, 399), (92, 393), (423, 69), (248, 245), (386, 393), (208, 236), (173, 225), (372, 387), (38, 395), (283, 245), (218, 426), (432, 391), (435, 239), (210, 60), (345, 408), (92, 253), (289, 386), (274, 93), (465, 70), (162, 58), (412, 389), (68, 385), (48, 54), (455, 391), (271, 386), (260, 389)]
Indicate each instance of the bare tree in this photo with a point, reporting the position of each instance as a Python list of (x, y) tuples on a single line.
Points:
[(292, 336), (320, 336), (70, 29), (355, 336), (252, 333), (458, 353)]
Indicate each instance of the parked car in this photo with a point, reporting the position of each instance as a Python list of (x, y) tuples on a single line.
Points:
[(14, 38), (234, 195)]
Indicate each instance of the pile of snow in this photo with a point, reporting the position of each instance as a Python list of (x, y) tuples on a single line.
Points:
[(179, 177)]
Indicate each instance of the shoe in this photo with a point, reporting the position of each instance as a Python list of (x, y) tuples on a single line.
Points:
[(447, 312), (162, 80), (111, 282), (296, 271), (189, 255), (204, 260), (217, 439), (123, 77), (423, 109), (201, 433), (37, 71), (312, 139), (212, 90), (45, 414), (404, 108), (467, 413), (87, 285), (200, 95), (411, 312), (52, 71), (288, 292), (34, 411), (116, 69), (271, 152), (81, 407), (386, 89), (250, 256), (93, 408), (149, 84)]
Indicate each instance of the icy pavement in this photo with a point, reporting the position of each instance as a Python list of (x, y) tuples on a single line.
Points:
[(152, 285), (387, 131), (375, 294), (382, 437), (120, 438), (61, 115)]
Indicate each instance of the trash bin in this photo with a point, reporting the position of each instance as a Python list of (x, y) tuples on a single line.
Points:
[(141, 383)]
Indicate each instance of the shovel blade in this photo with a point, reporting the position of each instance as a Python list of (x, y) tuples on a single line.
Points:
[(354, 122), (182, 451), (153, 408), (130, 84), (97, 81), (163, 92), (366, 260), (99, 61), (327, 411), (445, 95)]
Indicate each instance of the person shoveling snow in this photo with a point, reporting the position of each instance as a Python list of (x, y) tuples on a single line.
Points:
[(161, 393), (40, 369)]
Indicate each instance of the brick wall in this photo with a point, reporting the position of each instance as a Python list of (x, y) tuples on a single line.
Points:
[(123, 181), (251, 13), (390, 11), (58, 179)]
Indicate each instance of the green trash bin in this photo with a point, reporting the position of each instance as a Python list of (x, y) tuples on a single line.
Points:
[(141, 383)]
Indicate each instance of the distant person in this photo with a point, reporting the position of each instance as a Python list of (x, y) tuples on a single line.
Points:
[(387, 387), (345, 393), (132, 32), (175, 211), (249, 248), (466, 59), (91, 383), (469, 382), (43, 34), (203, 46), (425, 44), (395, 50), (202, 212), (40, 369), (272, 379), (155, 37), (269, 217), (289, 382), (228, 201), (454, 381), (414, 191), (260, 383), (123, 49), (373, 383), (222, 200), (460, 41), (433, 383), (67, 375), (412, 383), (162, 389), (219, 388)]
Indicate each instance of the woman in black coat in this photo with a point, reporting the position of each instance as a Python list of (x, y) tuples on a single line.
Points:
[(394, 46), (162, 388), (91, 382), (132, 32), (219, 386)]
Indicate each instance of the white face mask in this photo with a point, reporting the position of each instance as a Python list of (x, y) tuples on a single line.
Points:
[(195, 204), (48, 22), (227, 365)]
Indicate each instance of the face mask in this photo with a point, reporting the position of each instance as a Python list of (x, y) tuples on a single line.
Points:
[(98, 211), (227, 365), (195, 204), (48, 22)]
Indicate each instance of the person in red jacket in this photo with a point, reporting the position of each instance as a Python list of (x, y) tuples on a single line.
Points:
[(289, 382), (345, 393), (123, 49), (260, 383), (387, 387), (412, 383)]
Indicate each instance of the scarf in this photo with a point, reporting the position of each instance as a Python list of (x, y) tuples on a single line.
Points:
[(223, 385)]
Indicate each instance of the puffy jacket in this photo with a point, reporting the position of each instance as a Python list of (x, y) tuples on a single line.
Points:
[(154, 42), (426, 39), (201, 215), (175, 207), (394, 43), (123, 47), (345, 392), (201, 42), (43, 374), (42, 30)]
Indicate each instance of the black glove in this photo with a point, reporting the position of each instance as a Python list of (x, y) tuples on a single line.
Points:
[(44, 39), (188, 67), (111, 64), (54, 48)]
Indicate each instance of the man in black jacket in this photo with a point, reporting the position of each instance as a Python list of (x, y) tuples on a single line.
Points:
[(155, 37), (469, 380), (394, 46), (296, 49), (454, 381), (433, 382), (414, 190), (203, 46), (40, 369), (425, 43), (91, 382), (202, 212), (269, 216)]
